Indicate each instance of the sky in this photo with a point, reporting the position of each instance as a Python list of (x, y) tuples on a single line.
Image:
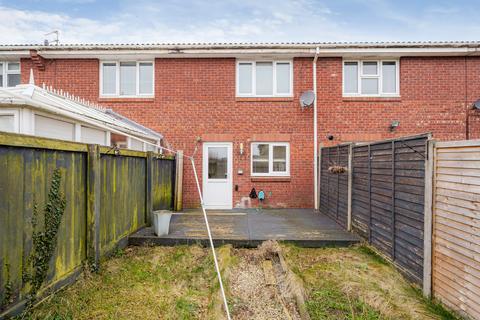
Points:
[(149, 21)]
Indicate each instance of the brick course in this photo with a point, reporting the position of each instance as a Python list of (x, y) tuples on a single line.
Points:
[(196, 98)]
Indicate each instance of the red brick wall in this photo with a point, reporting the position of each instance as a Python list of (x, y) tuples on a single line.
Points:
[(433, 95), (196, 98)]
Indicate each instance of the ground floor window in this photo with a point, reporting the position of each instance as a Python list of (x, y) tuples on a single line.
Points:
[(270, 159)]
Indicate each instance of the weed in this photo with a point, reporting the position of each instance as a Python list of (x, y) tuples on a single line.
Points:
[(330, 302), (44, 241)]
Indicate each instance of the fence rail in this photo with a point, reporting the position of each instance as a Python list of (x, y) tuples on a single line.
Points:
[(107, 197)]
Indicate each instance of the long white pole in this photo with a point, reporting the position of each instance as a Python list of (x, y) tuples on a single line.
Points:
[(211, 241), (315, 131)]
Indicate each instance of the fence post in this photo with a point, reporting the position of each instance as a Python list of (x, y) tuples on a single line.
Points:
[(149, 189), (369, 194), (349, 186), (93, 205), (393, 218), (320, 147), (177, 203), (428, 219)]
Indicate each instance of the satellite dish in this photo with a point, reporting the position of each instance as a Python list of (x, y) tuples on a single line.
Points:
[(307, 98), (476, 105)]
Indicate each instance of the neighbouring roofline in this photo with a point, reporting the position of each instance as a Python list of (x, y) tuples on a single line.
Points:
[(301, 49), (63, 104)]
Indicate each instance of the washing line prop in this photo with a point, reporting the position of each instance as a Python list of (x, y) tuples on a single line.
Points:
[(217, 268)]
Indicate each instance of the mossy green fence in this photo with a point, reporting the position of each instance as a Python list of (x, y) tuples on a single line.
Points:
[(108, 197)]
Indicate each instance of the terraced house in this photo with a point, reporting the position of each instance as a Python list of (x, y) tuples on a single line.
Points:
[(240, 106)]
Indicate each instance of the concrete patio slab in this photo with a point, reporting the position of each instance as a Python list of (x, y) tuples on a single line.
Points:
[(250, 227)]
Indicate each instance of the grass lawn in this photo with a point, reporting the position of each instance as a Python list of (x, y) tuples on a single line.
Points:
[(180, 283), (355, 283), (141, 283)]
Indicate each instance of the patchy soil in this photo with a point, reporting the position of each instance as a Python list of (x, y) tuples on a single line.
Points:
[(258, 285)]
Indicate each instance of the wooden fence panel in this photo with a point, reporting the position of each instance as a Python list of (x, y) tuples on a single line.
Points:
[(456, 226), (163, 184), (120, 197), (334, 187), (25, 177), (123, 187), (388, 182)]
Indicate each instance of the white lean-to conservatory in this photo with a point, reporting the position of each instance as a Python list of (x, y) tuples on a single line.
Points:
[(46, 112)]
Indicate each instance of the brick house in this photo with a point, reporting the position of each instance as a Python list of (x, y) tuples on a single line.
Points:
[(239, 103)]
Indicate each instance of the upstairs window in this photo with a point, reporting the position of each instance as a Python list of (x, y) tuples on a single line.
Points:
[(9, 74), (264, 78), (371, 78), (270, 159), (126, 79)]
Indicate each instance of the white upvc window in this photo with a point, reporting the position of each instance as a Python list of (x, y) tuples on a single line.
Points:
[(371, 78), (9, 73), (264, 78), (127, 79), (270, 159)]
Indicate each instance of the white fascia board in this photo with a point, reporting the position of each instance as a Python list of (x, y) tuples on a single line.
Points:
[(187, 53), (350, 52), (396, 52), (14, 55)]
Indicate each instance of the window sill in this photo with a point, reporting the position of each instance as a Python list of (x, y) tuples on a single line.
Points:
[(263, 99), (270, 179), (373, 98), (126, 99)]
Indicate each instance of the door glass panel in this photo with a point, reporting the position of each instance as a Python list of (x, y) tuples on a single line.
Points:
[(217, 162)]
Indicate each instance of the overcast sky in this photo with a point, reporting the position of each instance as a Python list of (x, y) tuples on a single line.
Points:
[(147, 21)]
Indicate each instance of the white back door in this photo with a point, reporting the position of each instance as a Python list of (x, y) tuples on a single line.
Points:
[(217, 175)]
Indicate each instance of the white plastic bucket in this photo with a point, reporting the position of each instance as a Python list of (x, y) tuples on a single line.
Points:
[(161, 222)]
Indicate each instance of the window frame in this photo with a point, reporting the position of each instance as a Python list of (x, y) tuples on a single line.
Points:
[(117, 79), (5, 72), (379, 76), (270, 172), (253, 93)]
